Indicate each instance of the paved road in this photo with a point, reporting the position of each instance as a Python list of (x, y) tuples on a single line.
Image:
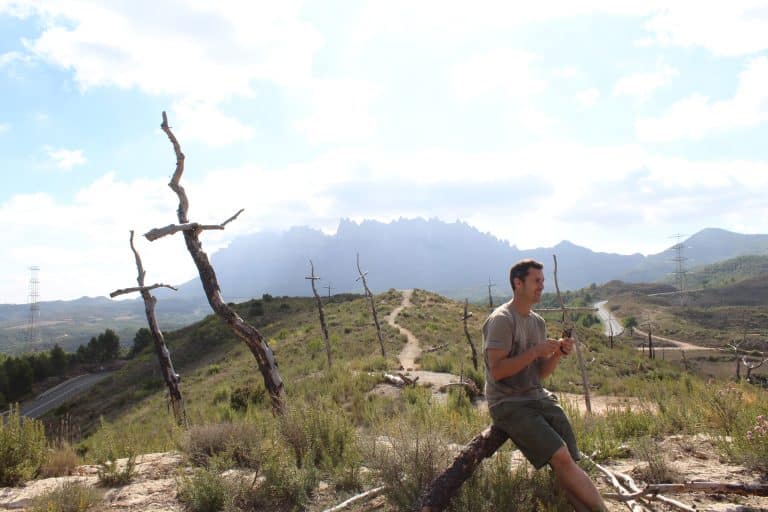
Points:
[(56, 396), (605, 316)]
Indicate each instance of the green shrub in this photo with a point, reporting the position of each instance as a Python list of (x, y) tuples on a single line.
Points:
[(656, 469), (69, 497), (204, 491), (22, 448), (112, 473)]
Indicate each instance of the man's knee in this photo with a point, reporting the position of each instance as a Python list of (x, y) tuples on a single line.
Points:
[(561, 459)]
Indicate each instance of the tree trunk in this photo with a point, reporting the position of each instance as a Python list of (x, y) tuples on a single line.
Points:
[(466, 333), (170, 376), (439, 493), (319, 302), (258, 346), (373, 306)]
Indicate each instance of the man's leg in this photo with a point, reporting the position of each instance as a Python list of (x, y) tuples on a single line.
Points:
[(579, 488)]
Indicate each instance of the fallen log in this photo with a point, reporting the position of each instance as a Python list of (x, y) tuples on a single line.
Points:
[(721, 487), (439, 493)]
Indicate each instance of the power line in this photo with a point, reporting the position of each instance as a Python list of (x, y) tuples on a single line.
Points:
[(33, 326), (680, 270)]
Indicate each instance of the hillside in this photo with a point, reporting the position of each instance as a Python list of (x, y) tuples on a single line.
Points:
[(725, 272), (334, 439)]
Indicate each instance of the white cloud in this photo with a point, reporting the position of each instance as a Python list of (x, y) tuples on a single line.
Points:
[(66, 159), (340, 111), (204, 121), (642, 85), (731, 28), (191, 51), (502, 70), (4, 127), (697, 116), (588, 97), (9, 58)]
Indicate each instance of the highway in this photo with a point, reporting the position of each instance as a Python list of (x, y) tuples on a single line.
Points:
[(608, 319), (57, 395)]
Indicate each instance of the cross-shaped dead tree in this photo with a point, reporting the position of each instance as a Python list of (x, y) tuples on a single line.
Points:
[(466, 316), (312, 278), (569, 332), (329, 288), (368, 293), (170, 376), (651, 348), (258, 346)]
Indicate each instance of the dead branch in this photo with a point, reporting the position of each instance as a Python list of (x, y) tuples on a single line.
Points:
[(373, 305), (435, 348), (249, 334), (312, 278), (395, 380), (125, 291), (154, 234), (465, 317), (468, 384), (741, 489), (568, 332), (408, 381), (443, 488), (367, 495), (633, 505), (632, 486), (170, 376)]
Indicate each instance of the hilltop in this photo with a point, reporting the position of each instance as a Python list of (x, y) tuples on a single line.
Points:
[(334, 441)]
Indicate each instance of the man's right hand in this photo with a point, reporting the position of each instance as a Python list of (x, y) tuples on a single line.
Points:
[(547, 348)]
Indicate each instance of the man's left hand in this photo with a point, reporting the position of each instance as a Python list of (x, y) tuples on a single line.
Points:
[(566, 345)]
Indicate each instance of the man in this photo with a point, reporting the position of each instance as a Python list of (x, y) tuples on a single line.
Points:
[(518, 356)]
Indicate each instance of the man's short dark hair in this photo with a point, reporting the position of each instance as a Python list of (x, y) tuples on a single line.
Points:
[(520, 269)]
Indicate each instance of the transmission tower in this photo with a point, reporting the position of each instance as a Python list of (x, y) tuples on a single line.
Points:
[(33, 327), (680, 270)]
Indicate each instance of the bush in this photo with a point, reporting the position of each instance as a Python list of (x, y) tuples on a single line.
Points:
[(204, 491), (61, 462), (113, 474), (69, 497), (238, 443), (22, 448)]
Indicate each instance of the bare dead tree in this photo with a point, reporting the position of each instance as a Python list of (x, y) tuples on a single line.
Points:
[(651, 348), (329, 288), (170, 376), (258, 346), (312, 278), (368, 293), (464, 318), (569, 332), (490, 297)]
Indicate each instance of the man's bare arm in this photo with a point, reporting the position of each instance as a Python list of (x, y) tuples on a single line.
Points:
[(501, 365)]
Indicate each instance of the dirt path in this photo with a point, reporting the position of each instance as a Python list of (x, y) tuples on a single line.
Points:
[(412, 350), (678, 345)]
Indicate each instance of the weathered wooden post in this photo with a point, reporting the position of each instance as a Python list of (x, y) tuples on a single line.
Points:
[(312, 278), (368, 293), (464, 318), (191, 231), (170, 376), (568, 332)]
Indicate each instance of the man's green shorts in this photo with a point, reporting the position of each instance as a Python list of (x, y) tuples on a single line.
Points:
[(538, 427)]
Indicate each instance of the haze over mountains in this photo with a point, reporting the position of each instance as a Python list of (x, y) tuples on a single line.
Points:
[(453, 259)]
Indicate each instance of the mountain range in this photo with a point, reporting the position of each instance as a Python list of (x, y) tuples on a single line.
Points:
[(453, 259)]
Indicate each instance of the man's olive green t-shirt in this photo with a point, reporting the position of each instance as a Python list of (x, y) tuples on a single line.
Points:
[(508, 330)]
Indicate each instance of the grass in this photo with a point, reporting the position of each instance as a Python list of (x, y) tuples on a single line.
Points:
[(341, 430), (68, 497)]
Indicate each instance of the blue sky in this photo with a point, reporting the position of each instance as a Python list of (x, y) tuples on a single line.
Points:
[(610, 124)]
